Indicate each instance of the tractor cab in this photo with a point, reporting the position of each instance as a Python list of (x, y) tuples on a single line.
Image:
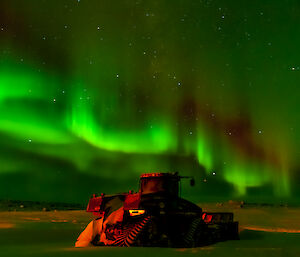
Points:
[(159, 192), (160, 183)]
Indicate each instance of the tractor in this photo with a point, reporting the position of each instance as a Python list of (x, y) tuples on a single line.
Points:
[(157, 216)]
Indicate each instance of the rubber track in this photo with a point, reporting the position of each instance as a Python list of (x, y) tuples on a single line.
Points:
[(129, 235)]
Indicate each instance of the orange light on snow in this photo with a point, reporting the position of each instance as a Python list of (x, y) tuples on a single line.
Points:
[(136, 212)]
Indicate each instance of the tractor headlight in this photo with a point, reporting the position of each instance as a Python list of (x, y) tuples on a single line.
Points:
[(136, 212)]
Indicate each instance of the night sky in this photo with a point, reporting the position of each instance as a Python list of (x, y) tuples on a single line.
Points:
[(94, 93)]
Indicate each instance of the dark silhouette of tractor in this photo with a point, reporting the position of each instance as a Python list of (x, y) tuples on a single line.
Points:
[(157, 216)]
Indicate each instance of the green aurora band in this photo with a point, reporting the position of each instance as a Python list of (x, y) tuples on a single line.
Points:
[(138, 87)]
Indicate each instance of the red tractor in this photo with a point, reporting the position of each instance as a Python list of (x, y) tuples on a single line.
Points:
[(157, 216)]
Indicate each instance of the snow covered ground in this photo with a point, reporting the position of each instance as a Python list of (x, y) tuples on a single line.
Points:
[(264, 231)]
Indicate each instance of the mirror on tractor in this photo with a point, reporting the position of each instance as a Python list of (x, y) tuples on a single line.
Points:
[(192, 182)]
